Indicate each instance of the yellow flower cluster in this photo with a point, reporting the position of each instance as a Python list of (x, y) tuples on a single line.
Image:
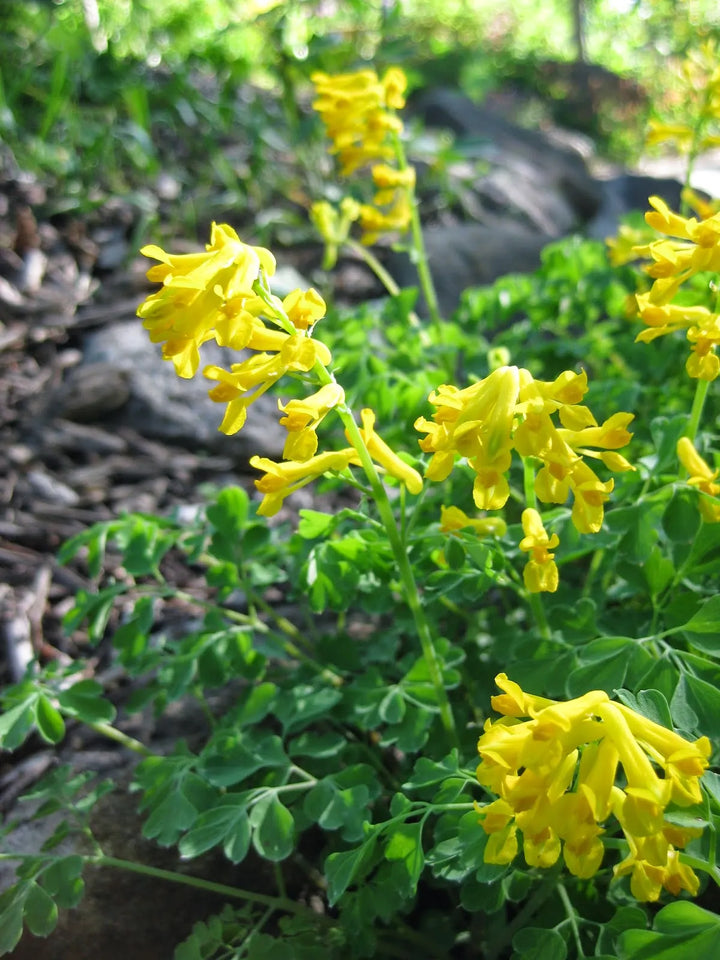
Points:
[(212, 296), (703, 478), (215, 296), (694, 247), (509, 410), (358, 112), (554, 766), (199, 291), (699, 95)]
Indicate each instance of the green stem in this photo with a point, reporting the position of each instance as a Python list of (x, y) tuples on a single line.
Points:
[(236, 893), (544, 891), (421, 258), (538, 612), (405, 571), (388, 282), (701, 391), (529, 482), (572, 918), (399, 550), (112, 733), (377, 268)]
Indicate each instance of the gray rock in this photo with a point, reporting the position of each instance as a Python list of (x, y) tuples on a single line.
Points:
[(160, 405), (625, 193), (470, 255), (532, 177)]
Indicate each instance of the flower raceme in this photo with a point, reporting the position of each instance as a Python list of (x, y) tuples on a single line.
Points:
[(358, 110), (555, 767), (198, 291), (691, 246), (509, 410), (215, 296)]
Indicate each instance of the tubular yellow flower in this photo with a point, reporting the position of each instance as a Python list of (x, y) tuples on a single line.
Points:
[(282, 479), (702, 331), (695, 248), (196, 290), (246, 381), (302, 418), (541, 572), (453, 518), (382, 454), (702, 477), (304, 308), (554, 804), (357, 110)]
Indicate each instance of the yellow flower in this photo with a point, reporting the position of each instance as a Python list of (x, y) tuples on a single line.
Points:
[(197, 288), (702, 330), (304, 308), (555, 776), (386, 177), (696, 248), (333, 225), (302, 418), (453, 518), (382, 454), (357, 110), (246, 381), (541, 572), (681, 133), (282, 479), (703, 477)]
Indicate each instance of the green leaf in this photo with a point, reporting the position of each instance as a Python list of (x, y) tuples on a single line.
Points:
[(41, 912), (63, 881), (537, 943), (681, 931), (314, 524), (229, 513), (17, 722), (12, 902), (227, 824), (230, 761), (49, 721), (405, 845), (659, 570), (333, 807), (170, 818), (303, 703), (428, 772), (273, 828), (341, 869), (255, 704), (318, 745), (705, 627), (702, 699), (86, 701), (685, 919)]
